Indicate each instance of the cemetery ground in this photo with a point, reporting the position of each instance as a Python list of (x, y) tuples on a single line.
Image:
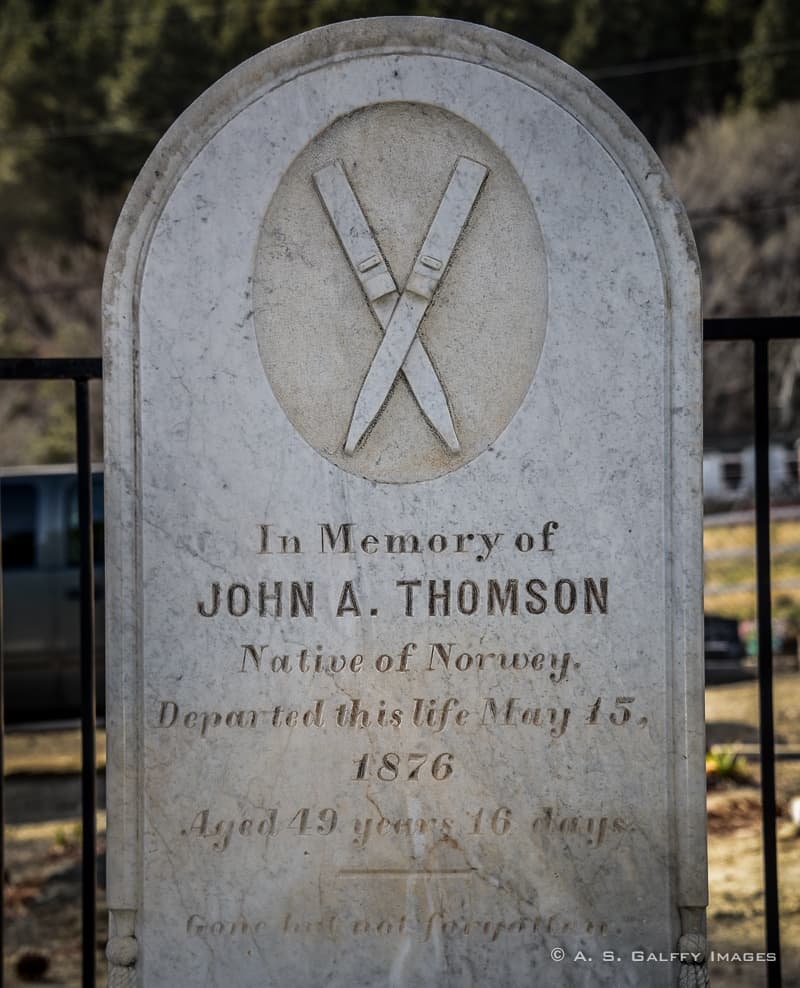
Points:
[(43, 860), (42, 899), (730, 569)]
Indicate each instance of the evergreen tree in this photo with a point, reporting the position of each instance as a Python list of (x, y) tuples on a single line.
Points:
[(771, 64), (622, 42), (724, 28)]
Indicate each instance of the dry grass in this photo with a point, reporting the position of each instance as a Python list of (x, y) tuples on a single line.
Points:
[(52, 752), (732, 572)]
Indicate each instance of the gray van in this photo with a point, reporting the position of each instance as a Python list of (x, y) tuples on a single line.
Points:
[(41, 596)]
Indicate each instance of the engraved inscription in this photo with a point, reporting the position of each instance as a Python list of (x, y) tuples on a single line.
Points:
[(443, 694), (433, 926)]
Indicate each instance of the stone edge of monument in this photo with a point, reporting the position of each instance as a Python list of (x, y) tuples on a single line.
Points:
[(675, 245)]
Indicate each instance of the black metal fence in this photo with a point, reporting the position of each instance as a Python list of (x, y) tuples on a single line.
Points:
[(758, 331), (81, 371)]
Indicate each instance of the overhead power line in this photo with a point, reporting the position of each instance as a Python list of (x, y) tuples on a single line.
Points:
[(154, 130), (37, 135), (692, 61), (52, 289), (764, 206)]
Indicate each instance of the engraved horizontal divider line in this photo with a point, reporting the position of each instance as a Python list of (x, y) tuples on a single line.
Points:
[(375, 277), (401, 872)]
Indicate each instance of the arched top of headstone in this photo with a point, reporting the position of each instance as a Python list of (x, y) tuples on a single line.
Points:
[(393, 94), (338, 44)]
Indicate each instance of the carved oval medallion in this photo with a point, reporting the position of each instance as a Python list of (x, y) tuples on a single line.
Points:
[(400, 292)]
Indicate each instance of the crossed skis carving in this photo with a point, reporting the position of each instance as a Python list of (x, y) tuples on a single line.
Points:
[(400, 314)]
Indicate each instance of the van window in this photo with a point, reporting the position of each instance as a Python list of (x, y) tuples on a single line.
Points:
[(73, 531), (18, 521)]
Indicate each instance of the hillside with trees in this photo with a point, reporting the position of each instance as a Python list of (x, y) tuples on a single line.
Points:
[(87, 88), (739, 177)]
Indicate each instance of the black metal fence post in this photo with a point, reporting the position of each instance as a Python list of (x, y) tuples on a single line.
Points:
[(766, 714), (2, 773), (81, 371), (88, 680)]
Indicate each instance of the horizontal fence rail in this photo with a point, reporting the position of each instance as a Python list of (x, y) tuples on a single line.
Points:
[(759, 331), (752, 329), (80, 370), (50, 368)]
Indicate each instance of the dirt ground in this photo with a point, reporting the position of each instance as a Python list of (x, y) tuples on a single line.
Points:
[(736, 908), (42, 895), (43, 860), (42, 906)]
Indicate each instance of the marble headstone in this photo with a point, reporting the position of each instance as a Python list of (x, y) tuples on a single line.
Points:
[(402, 333)]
